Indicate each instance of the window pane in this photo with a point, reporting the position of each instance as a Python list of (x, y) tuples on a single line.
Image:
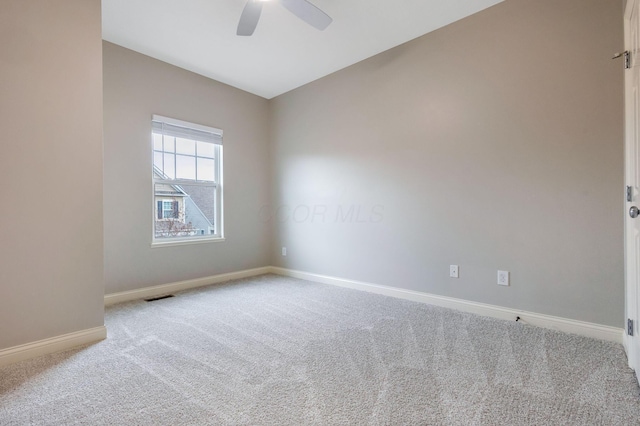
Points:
[(157, 160), (206, 149), (169, 144), (185, 167), (185, 146), (157, 142), (200, 207), (206, 169), (184, 211), (169, 167), (170, 220), (168, 210)]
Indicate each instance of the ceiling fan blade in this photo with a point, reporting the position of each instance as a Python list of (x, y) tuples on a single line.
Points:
[(308, 13), (249, 18)]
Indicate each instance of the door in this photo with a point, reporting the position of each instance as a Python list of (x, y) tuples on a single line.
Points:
[(632, 178)]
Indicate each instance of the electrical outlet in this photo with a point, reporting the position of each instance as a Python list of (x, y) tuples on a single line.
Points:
[(453, 271), (503, 277), (284, 251)]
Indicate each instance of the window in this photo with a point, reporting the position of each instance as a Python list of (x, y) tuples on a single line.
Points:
[(168, 209), (187, 181)]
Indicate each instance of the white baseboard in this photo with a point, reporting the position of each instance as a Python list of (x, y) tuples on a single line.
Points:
[(51, 345), (164, 289), (582, 328)]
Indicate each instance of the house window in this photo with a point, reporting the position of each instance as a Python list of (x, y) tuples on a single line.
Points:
[(168, 209), (187, 181)]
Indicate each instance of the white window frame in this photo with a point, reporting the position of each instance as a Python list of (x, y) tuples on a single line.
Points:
[(217, 185)]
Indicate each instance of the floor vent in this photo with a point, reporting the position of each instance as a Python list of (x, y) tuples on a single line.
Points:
[(153, 299)]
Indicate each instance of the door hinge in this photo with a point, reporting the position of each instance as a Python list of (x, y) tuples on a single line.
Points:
[(627, 58), (629, 327)]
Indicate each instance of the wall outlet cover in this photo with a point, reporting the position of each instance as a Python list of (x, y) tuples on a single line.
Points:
[(284, 251), (503, 278), (453, 271)]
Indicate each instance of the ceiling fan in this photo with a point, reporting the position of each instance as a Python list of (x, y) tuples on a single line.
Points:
[(301, 8)]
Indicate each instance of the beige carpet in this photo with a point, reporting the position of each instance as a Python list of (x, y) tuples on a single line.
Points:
[(280, 351)]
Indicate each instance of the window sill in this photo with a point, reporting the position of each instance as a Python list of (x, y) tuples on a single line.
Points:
[(178, 242)]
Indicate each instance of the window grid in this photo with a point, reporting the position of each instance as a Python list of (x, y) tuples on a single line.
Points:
[(168, 210), (174, 154)]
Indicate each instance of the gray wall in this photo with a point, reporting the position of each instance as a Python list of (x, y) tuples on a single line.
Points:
[(493, 143), (135, 87), (51, 272)]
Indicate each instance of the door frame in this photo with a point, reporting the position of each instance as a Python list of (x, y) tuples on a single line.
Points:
[(631, 254)]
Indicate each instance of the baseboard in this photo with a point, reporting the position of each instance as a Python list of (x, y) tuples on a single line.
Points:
[(582, 328), (160, 290), (51, 345)]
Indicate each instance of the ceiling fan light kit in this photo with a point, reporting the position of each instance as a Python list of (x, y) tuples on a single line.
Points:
[(300, 8)]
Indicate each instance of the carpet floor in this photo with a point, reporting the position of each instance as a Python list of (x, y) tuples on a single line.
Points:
[(271, 350)]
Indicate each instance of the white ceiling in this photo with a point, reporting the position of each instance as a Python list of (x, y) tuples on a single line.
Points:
[(284, 52)]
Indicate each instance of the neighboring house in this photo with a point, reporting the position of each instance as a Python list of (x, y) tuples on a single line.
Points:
[(180, 210), (199, 209)]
